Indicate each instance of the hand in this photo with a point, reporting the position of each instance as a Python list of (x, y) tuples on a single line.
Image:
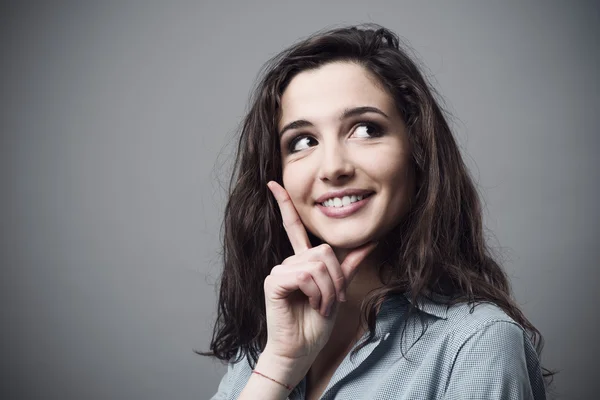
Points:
[(301, 293)]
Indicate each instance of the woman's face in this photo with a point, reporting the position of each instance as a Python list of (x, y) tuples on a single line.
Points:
[(341, 137)]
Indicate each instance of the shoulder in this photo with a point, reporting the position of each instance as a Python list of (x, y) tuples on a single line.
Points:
[(464, 320), (485, 329), (490, 347), (451, 325), (456, 323), (446, 332), (460, 351), (234, 380)]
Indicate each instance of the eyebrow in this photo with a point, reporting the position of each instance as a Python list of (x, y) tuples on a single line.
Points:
[(348, 112)]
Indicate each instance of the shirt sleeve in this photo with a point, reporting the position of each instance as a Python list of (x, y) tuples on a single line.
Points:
[(497, 362), (224, 385)]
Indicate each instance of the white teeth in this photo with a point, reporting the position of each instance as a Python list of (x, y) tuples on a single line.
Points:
[(341, 202)]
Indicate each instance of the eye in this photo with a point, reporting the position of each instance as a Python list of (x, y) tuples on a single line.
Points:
[(300, 143), (368, 129)]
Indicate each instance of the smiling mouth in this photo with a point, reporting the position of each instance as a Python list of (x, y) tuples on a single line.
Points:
[(341, 202)]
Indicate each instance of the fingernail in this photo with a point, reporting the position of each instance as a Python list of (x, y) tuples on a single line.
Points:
[(343, 296)]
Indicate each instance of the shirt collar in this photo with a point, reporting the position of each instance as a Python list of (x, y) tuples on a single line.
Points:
[(431, 303), (395, 306)]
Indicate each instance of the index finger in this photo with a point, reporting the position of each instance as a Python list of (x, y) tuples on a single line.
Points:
[(354, 258), (291, 220)]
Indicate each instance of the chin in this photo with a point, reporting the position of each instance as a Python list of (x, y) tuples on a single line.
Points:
[(346, 243)]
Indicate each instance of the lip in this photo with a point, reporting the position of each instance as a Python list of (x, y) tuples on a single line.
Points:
[(344, 211), (342, 193)]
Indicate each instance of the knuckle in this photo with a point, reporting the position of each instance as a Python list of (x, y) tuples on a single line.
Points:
[(274, 270), (320, 267), (325, 249), (267, 282), (284, 198), (295, 222)]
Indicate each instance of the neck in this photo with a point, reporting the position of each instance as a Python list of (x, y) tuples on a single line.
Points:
[(347, 329), (366, 277), (365, 280)]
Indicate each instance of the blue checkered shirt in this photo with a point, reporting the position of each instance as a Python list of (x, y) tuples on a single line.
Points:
[(461, 355)]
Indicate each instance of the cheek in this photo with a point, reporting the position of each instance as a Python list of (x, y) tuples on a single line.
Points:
[(297, 184), (403, 189), (396, 176), (390, 165)]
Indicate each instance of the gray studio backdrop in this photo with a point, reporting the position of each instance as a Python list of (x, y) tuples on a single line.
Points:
[(116, 136)]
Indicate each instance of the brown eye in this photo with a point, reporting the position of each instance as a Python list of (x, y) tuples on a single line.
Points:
[(300, 143), (368, 129)]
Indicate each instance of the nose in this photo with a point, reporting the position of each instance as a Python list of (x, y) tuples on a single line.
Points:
[(336, 165)]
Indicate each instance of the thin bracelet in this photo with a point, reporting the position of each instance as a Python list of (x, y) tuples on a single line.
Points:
[(288, 387)]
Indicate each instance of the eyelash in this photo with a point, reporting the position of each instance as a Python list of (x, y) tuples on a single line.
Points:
[(379, 132)]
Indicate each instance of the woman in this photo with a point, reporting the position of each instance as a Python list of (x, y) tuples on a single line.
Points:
[(355, 265)]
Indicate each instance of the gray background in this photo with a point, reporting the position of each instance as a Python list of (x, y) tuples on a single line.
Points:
[(117, 121)]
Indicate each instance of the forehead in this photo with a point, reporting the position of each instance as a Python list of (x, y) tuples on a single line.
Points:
[(323, 93)]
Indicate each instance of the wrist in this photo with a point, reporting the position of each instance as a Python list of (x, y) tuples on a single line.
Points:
[(286, 371)]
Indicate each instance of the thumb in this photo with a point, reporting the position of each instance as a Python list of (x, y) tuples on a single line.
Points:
[(354, 258)]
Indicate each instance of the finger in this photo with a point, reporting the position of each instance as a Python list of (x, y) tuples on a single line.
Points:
[(309, 287), (291, 220), (285, 281), (325, 253), (319, 274), (280, 286), (354, 258)]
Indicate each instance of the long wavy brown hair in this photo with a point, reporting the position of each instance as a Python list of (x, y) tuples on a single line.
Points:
[(439, 247)]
